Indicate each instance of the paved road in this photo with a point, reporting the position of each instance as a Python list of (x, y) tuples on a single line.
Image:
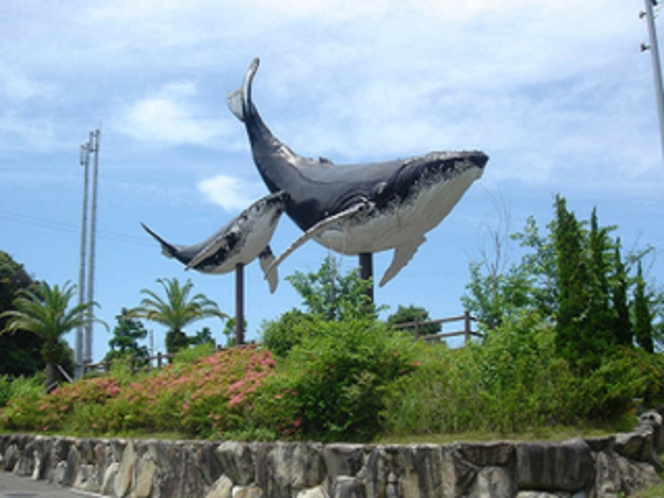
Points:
[(12, 486)]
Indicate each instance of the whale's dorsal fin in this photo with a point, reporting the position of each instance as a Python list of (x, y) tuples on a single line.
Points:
[(239, 101), (402, 255)]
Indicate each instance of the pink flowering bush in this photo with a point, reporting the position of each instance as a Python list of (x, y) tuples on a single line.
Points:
[(205, 397)]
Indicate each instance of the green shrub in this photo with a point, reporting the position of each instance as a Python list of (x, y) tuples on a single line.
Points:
[(281, 335), (331, 386)]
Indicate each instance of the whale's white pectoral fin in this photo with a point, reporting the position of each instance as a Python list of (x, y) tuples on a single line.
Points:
[(319, 227), (266, 258), (402, 255), (216, 245)]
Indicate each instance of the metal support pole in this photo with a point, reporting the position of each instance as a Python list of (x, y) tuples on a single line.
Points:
[(80, 331), (366, 272), (239, 304), (657, 70), (94, 148)]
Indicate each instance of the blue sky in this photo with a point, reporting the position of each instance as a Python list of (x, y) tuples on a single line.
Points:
[(556, 92)]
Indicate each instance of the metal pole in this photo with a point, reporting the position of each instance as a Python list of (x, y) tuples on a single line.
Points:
[(657, 70), (94, 148), (239, 304), (366, 272), (85, 162)]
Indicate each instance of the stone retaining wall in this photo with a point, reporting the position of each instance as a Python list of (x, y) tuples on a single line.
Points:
[(608, 466)]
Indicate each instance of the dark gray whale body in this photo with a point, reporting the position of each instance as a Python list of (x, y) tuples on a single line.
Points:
[(362, 208)]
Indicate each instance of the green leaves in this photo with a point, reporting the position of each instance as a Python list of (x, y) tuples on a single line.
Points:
[(176, 311)]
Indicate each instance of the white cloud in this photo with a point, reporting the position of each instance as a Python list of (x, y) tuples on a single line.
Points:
[(231, 193), (170, 116)]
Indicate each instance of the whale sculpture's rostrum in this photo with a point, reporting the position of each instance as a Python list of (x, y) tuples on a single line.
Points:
[(360, 208)]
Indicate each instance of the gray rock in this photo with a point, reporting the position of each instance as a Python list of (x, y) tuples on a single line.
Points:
[(248, 492), (492, 482), (145, 473), (222, 488), (87, 479), (616, 475), (343, 459), (347, 487), (10, 458), (286, 469), (496, 454), (108, 480), (565, 466), (125, 476), (636, 446), (317, 492), (237, 462)]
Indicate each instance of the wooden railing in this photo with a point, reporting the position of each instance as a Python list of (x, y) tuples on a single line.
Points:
[(161, 359), (135, 364), (467, 331)]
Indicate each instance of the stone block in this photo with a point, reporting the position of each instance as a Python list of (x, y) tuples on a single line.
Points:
[(108, 479), (125, 476), (347, 487), (565, 466), (237, 462), (222, 488), (495, 454), (343, 459), (492, 482)]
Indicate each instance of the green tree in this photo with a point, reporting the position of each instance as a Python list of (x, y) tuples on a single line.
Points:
[(575, 338), (20, 350), (412, 313), (331, 295), (176, 311), (203, 336), (643, 329), (327, 295), (126, 334), (623, 331), (46, 313)]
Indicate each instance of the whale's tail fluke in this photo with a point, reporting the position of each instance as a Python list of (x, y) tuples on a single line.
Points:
[(169, 250), (239, 102)]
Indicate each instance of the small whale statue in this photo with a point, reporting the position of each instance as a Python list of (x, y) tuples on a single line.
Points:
[(240, 241)]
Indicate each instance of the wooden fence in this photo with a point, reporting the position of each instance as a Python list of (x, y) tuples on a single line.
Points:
[(136, 364), (467, 331), (161, 359)]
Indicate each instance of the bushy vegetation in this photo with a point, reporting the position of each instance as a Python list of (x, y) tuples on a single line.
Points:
[(571, 337), (203, 397)]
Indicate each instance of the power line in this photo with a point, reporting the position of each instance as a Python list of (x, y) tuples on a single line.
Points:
[(60, 226)]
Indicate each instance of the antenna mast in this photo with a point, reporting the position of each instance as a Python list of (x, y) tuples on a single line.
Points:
[(94, 148), (83, 350), (657, 70), (84, 160)]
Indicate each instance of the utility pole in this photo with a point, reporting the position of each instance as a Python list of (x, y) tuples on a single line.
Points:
[(94, 149), (83, 350), (84, 160), (657, 70)]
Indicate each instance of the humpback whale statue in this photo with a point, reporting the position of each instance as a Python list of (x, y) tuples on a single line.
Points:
[(240, 241), (362, 208)]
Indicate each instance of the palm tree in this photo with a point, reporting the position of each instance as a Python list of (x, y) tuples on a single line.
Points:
[(176, 311), (46, 313)]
